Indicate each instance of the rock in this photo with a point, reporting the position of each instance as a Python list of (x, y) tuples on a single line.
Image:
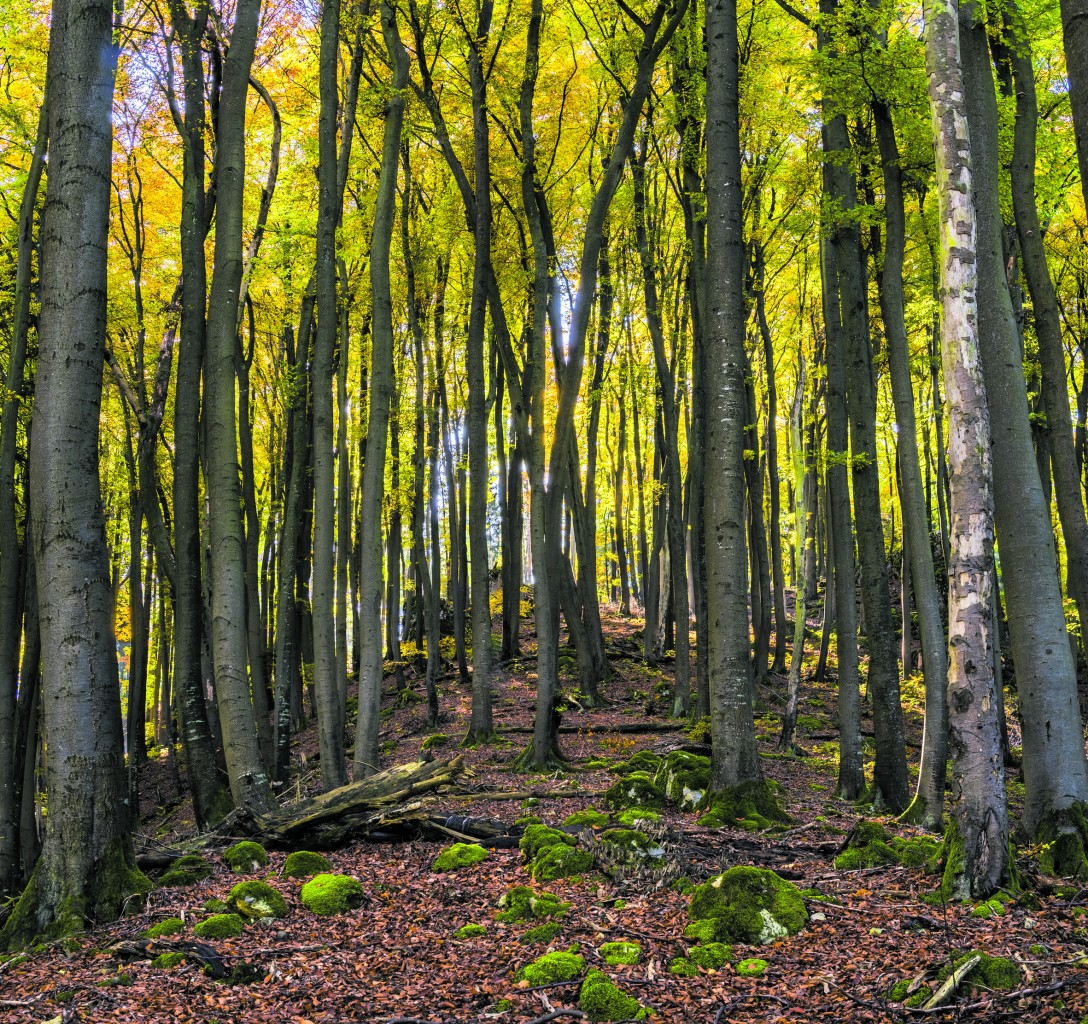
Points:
[(749, 905)]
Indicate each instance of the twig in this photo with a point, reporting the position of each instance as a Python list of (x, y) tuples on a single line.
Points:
[(554, 1015), (1020, 993)]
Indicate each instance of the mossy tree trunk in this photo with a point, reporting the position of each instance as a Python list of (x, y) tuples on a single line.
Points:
[(86, 870)]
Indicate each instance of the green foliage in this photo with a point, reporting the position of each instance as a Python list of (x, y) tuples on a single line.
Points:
[(168, 960), (616, 953), (524, 904), (331, 894), (305, 864), (749, 905), (542, 932), (171, 926), (246, 857), (255, 900), (552, 967), (560, 861), (600, 999), (595, 819), (636, 816), (470, 931), (459, 855), (219, 926), (540, 837)]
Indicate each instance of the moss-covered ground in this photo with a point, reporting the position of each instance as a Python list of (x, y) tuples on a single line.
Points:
[(438, 946)]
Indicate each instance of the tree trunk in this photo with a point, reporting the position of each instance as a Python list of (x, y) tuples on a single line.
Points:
[(1075, 35)]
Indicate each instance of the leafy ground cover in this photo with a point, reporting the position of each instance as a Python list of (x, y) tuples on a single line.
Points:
[(874, 933)]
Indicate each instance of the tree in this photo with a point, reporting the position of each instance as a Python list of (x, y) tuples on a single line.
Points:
[(87, 870)]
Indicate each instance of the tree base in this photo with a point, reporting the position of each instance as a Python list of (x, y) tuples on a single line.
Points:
[(479, 739), (920, 814), (754, 801), (556, 761), (1063, 836)]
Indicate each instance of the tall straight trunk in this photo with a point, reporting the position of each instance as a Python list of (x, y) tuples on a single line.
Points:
[(432, 587), (1075, 36), (394, 558), (802, 520), (248, 779), (136, 718), (480, 726), (28, 733), (757, 535), (927, 807), (10, 554), (1055, 771), (456, 525), (979, 803), (1014, 51), (619, 471), (890, 772), (330, 725), (87, 869), (211, 796), (365, 759), (734, 756)]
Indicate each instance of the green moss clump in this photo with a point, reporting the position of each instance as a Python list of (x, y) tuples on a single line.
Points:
[(683, 967), (752, 967), (168, 960), (469, 931), (560, 862), (990, 908), (541, 837), (529, 819), (1063, 836), (187, 870), (616, 953), (590, 817), (997, 972), (552, 967), (600, 999), (898, 992), (702, 931), (684, 778), (541, 933), (711, 956), (635, 816), (304, 864), (459, 855), (919, 997), (752, 802), (256, 900), (214, 906), (246, 857), (637, 789), (171, 926), (219, 926), (749, 905), (643, 761), (700, 731), (439, 739), (524, 904), (632, 847), (331, 894), (870, 846), (594, 763), (919, 852)]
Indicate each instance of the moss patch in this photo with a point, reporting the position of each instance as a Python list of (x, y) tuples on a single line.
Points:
[(632, 847), (712, 956), (616, 953), (600, 999), (257, 900), (633, 817), (541, 933), (439, 739), (541, 837), (643, 761), (171, 926), (752, 967), (304, 864), (459, 855), (1063, 835), (997, 972), (871, 845), (246, 857), (469, 931), (753, 803), (524, 904), (187, 870), (168, 960), (683, 967), (701, 931), (637, 789), (560, 862), (749, 905), (590, 817), (552, 967), (684, 778), (219, 926), (331, 894)]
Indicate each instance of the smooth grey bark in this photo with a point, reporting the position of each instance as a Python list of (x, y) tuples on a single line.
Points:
[(11, 557), (1075, 37), (1055, 771), (87, 868), (248, 779), (979, 802), (365, 758), (330, 724), (927, 807), (734, 757)]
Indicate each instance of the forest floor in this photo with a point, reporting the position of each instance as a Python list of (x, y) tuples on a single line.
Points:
[(396, 957)]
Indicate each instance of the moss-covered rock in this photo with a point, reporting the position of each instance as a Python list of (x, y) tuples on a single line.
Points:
[(305, 864), (997, 972), (616, 953), (438, 739), (524, 904), (600, 999), (166, 961), (587, 818), (552, 967), (528, 819), (214, 906), (636, 817), (989, 908), (749, 905), (187, 870), (1062, 837), (702, 931), (331, 894), (246, 857), (631, 847), (683, 967), (870, 845), (219, 926), (637, 789), (257, 900), (459, 855), (752, 804), (470, 931), (541, 933), (643, 761), (711, 956), (684, 779), (541, 837), (753, 967), (171, 926), (560, 861)]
